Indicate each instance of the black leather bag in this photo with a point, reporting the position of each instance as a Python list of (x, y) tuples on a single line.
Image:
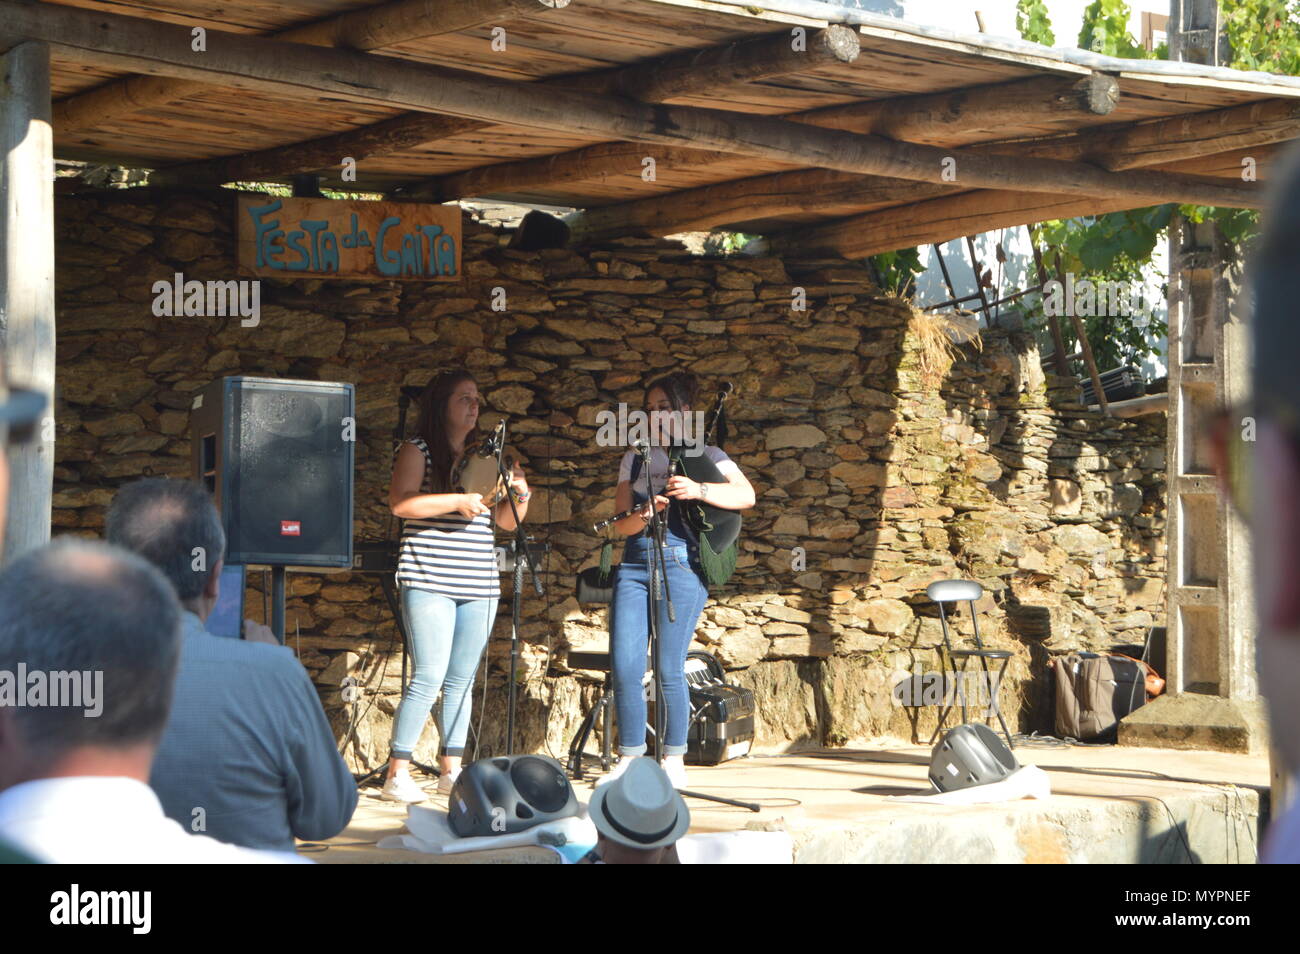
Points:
[(595, 586)]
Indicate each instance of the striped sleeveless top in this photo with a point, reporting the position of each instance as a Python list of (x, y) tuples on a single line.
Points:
[(452, 555)]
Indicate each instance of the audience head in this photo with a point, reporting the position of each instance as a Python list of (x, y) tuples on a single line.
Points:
[(99, 629), (175, 526), (639, 816)]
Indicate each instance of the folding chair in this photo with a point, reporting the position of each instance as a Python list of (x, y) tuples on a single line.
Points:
[(954, 591)]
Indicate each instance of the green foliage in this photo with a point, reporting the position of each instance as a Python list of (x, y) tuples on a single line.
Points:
[(276, 188), (1264, 34), (270, 188), (897, 271), (1033, 23), (726, 243), (1105, 31), (1110, 248)]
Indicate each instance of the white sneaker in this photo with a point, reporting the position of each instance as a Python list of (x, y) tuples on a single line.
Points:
[(619, 768), (446, 780), (402, 788), (675, 769)]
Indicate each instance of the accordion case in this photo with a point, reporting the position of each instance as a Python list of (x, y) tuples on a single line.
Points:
[(722, 716)]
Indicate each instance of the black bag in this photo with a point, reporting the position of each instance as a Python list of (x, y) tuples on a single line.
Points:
[(596, 585)]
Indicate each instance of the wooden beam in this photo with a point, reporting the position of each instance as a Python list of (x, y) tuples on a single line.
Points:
[(673, 76), (589, 162), (981, 107), (1159, 141), (280, 68), (943, 219), (1180, 139), (370, 28), (721, 67), (392, 135), (27, 282), (1045, 99), (743, 200)]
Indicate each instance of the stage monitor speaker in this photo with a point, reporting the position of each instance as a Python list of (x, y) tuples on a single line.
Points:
[(508, 794), (278, 458), (969, 755)]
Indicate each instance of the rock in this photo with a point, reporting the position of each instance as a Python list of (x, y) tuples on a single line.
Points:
[(795, 435), (1065, 496), (887, 616), (789, 523), (740, 648)]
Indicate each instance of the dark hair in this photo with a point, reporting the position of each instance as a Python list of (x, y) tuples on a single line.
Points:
[(1276, 282), (81, 610), (681, 388), (433, 425), (174, 525)]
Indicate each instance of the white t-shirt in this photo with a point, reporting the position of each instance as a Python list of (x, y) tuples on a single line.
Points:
[(110, 820), (659, 467)]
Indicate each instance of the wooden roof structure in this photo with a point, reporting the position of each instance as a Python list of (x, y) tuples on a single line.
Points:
[(800, 120)]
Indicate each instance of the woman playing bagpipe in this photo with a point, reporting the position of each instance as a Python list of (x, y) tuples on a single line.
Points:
[(447, 576), (692, 558)]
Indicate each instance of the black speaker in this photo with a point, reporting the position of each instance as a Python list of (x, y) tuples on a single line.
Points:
[(278, 459), (508, 794), (971, 754)]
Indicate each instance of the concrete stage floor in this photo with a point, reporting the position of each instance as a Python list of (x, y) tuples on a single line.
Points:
[(1109, 804)]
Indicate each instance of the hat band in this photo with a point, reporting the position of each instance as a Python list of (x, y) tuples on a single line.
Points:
[(635, 835)]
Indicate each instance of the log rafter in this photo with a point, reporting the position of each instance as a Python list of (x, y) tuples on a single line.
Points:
[(733, 64), (370, 28), (276, 66), (1132, 146)]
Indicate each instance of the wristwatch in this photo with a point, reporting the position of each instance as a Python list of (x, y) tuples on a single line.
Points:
[(704, 491)]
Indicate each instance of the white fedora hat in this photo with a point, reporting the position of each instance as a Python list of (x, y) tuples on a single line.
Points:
[(640, 808)]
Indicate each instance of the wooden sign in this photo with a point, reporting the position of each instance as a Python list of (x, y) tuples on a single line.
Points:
[(329, 238)]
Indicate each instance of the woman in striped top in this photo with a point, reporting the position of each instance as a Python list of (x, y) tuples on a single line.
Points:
[(447, 577)]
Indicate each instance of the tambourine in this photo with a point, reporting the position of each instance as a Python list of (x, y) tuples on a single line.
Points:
[(476, 472)]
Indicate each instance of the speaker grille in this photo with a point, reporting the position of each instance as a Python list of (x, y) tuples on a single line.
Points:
[(540, 784)]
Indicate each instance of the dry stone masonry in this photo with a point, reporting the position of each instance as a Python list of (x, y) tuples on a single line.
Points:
[(877, 469)]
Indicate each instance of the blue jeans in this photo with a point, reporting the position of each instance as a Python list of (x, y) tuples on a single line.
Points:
[(630, 635), (447, 641)]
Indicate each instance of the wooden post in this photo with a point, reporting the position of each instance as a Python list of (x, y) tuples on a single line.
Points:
[(1211, 698), (1053, 323), (27, 280)]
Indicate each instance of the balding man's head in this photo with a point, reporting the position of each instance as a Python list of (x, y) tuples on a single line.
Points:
[(84, 610), (175, 526)]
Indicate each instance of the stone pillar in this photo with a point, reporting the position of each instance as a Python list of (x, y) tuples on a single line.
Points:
[(27, 280), (1211, 699)]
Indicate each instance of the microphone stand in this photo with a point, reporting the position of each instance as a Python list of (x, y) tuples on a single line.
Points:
[(657, 593), (521, 547)]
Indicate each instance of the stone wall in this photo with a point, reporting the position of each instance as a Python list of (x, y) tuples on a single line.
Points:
[(878, 468)]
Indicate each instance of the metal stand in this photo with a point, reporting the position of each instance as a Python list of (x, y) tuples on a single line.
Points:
[(520, 547)]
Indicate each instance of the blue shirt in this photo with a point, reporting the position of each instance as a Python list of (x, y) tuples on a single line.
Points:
[(248, 743)]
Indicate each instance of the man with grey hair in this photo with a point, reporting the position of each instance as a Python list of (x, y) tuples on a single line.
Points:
[(89, 644), (248, 755)]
